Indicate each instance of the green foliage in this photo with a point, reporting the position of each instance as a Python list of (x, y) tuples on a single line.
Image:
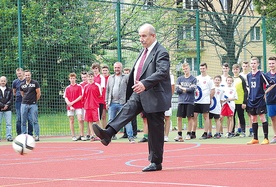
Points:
[(268, 9)]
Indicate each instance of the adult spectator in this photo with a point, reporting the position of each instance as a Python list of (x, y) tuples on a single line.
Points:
[(18, 100), (30, 91), (6, 101), (116, 96)]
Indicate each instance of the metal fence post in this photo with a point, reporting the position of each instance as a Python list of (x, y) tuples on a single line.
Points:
[(19, 18)]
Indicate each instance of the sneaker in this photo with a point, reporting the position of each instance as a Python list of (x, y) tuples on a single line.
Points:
[(87, 137), (178, 139), (166, 138), (144, 139), (265, 142), (203, 137), (217, 136), (237, 134), (188, 137), (9, 139), (193, 136), (253, 141), (131, 140), (229, 135), (209, 135), (74, 138), (37, 138), (83, 138), (273, 140), (242, 135)]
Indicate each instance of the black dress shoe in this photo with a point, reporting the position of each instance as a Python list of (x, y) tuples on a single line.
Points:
[(153, 167), (102, 134), (144, 139)]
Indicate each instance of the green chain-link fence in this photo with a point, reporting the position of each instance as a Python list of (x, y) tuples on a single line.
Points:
[(54, 38)]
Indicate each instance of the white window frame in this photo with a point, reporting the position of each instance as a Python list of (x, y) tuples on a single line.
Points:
[(192, 30), (191, 4), (254, 30)]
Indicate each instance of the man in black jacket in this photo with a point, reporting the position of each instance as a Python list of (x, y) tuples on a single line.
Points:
[(149, 90), (6, 101)]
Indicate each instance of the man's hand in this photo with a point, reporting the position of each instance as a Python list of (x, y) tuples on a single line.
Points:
[(138, 87)]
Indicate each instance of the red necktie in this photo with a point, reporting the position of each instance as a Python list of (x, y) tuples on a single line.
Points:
[(140, 66)]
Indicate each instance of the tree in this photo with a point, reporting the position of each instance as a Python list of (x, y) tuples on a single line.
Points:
[(219, 26), (268, 9), (60, 37)]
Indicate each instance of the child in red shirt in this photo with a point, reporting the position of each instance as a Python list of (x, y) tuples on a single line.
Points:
[(91, 95), (73, 96)]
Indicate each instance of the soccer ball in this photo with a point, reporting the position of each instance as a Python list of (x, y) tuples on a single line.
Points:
[(23, 144)]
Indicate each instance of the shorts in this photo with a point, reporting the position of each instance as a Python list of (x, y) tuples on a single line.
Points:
[(215, 116), (257, 111), (91, 115), (185, 110), (73, 112), (168, 112), (271, 110), (202, 108), (83, 114), (226, 110)]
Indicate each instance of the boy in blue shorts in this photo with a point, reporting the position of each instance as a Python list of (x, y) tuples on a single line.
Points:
[(271, 95)]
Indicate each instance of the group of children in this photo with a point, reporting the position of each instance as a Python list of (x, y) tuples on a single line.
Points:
[(86, 101), (224, 96)]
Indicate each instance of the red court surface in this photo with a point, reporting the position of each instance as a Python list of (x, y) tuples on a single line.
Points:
[(120, 164)]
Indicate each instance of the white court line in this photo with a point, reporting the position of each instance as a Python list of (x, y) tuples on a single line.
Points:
[(106, 181)]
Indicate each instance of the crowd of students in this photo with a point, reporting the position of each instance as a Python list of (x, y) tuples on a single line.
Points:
[(225, 96), (250, 93)]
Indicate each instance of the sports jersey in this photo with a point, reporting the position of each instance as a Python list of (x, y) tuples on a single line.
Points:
[(29, 90), (101, 81), (230, 92), (90, 96), (271, 95), (83, 84), (256, 89), (241, 89), (189, 83), (72, 92), (215, 106), (204, 86)]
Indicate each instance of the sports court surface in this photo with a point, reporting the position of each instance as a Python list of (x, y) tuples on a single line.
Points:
[(61, 162)]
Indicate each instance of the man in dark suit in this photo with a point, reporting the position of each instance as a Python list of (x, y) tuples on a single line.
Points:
[(149, 90)]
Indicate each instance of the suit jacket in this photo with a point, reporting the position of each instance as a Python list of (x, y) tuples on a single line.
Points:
[(156, 79)]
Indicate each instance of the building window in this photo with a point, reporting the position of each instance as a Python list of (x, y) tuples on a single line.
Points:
[(189, 32), (193, 64), (191, 4), (224, 4), (187, 4), (255, 34)]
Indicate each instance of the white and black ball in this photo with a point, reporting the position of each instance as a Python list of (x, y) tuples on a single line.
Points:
[(23, 144)]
